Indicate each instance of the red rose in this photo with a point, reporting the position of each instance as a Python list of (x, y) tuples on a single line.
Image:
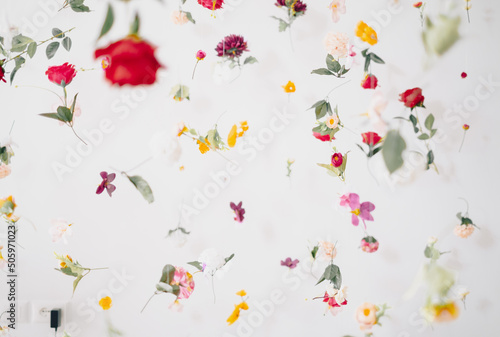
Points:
[(131, 61), (412, 98), (211, 4), (371, 138), (59, 74), (370, 82), (323, 138), (2, 74), (337, 159)]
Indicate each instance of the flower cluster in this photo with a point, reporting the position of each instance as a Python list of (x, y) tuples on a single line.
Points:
[(293, 8)]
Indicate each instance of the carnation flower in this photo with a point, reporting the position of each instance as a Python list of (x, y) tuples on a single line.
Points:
[(4, 170), (463, 231), (369, 244), (327, 250), (179, 18), (336, 44), (231, 46), (60, 230)]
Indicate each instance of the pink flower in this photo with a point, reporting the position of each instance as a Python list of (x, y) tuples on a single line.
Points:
[(358, 210), (336, 44), (369, 244), (337, 7), (328, 250), (337, 160), (463, 74), (179, 18), (4, 170), (185, 282), (463, 231), (323, 138), (366, 315), (211, 4), (288, 262), (239, 211), (107, 179), (369, 82), (200, 55)]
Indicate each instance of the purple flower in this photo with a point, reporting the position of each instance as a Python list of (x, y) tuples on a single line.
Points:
[(289, 263), (231, 46), (107, 179), (297, 7), (238, 210), (358, 210)]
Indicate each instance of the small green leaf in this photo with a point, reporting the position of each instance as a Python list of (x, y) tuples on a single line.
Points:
[(32, 49), (19, 61), (76, 281), (108, 22), (430, 158), (52, 115), (423, 136), (229, 258), (74, 104), (321, 71), (78, 6), (433, 132), (250, 60), (190, 17), (376, 59), (57, 33), (318, 103), (67, 43), (167, 274), (314, 252), (65, 114), (19, 43), (136, 25), (332, 64), (321, 110), (143, 187), (392, 150), (52, 49), (196, 264), (429, 122), (162, 286)]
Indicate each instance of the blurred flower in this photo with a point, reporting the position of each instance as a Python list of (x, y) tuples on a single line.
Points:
[(412, 98), (179, 18), (231, 46), (366, 33), (332, 121), (178, 235), (238, 210), (241, 293), (369, 82), (366, 315), (3, 262), (60, 230), (211, 261), (288, 262), (369, 244), (200, 55), (4, 170), (289, 87), (336, 44), (463, 231), (417, 4), (185, 282), (327, 250), (234, 133), (358, 210), (236, 312), (176, 306), (2, 72), (7, 208), (337, 7), (61, 75), (337, 159), (296, 7), (466, 127), (463, 75), (203, 146), (445, 312), (105, 303), (323, 138), (211, 4), (432, 240), (371, 138), (107, 179), (180, 92), (334, 297)]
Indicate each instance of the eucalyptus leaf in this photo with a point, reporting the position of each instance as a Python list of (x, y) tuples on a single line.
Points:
[(321, 71), (19, 61), (250, 60), (392, 150), (143, 187), (57, 33), (332, 64), (67, 43), (196, 264), (52, 115), (76, 281), (65, 114), (423, 136), (167, 274), (190, 17), (429, 122), (20, 42), (32, 49), (108, 22), (52, 49)]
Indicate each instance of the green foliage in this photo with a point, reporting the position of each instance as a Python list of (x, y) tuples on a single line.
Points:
[(392, 150)]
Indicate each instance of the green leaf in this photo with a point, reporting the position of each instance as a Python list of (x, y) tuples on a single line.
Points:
[(67, 43), (429, 122), (52, 49), (57, 33), (433, 132), (367, 64), (332, 64), (364, 51), (167, 274), (162, 286), (74, 104), (32, 49), (20, 42), (7, 207), (196, 264), (423, 136), (321, 110), (76, 281), (136, 25), (321, 71), (250, 60), (374, 151), (52, 115), (143, 187), (18, 63), (65, 114), (229, 258), (215, 139), (430, 158), (392, 150), (78, 6), (332, 274), (314, 252), (108, 22), (376, 59), (190, 17)]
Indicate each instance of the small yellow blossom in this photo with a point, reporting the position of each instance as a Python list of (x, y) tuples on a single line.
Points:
[(241, 293), (106, 303), (366, 33), (203, 146), (289, 87), (234, 133)]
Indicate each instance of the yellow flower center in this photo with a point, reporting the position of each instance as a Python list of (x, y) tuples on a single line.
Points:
[(366, 312), (356, 211)]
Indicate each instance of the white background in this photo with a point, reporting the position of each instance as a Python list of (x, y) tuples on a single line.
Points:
[(283, 217)]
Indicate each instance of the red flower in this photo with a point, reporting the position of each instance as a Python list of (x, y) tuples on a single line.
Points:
[(2, 72), (417, 4), (132, 61), (463, 74), (61, 75), (371, 138), (465, 127), (370, 82), (331, 300), (211, 4), (369, 244), (323, 138), (412, 98), (337, 159), (232, 46)]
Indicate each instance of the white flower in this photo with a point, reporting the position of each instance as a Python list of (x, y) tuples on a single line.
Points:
[(330, 290), (166, 145), (211, 261), (60, 230), (432, 240), (462, 293), (341, 296)]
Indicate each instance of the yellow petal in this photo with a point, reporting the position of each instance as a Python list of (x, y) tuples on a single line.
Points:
[(241, 293), (231, 138)]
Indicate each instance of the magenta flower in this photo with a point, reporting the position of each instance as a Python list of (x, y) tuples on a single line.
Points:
[(200, 55), (232, 46), (238, 210), (289, 263), (358, 210), (107, 179)]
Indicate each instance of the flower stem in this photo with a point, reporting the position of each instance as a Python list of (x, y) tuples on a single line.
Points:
[(145, 305), (195, 69), (426, 141), (463, 139), (71, 126)]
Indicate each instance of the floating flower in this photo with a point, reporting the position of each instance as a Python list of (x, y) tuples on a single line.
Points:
[(181, 129), (369, 244), (366, 315), (332, 121), (323, 138), (369, 82), (237, 308), (61, 75), (60, 230), (463, 231), (465, 127), (185, 281), (336, 44), (235, 133), (204, 146), (179, 18), (327, 250), (5, 170), (417, 4), (200, 55), (107, 179), (463, 75), (412, 98), (445, 312), (180, 92), (296, 7), (334, 297), (288, 262), (132, 61), (289, 87), (232, 46), (371, 138), (366, 33), (337, 159), (211, 4), (2, 72), (238, 210), (105, 303), (337, 7), (358, 210)]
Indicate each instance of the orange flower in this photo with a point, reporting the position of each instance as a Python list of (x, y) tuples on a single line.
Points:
[(63, 264), (289, 87), (234, 134), (366, 33), (4, 170), (241, 293), (11, 205), (443, 312), (106, 303), (203, 146)]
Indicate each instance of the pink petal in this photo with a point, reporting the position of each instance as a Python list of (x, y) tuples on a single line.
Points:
[(355, 220), (367, 206), (100, 188), (110, 188), (104, 174), (111, 177), (354, 201)]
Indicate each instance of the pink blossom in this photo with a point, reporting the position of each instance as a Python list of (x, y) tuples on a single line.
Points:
[(337, 7), (358, 210)]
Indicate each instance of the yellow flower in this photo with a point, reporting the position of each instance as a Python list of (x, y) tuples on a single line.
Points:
[(203, 147), (366, 33), (10, 202), (442, 312), (236, 312), (289, 87), (105, 303), (234, 134), (243, 127), (181, 129), (241, 293), (63, 264), (181, 168)]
